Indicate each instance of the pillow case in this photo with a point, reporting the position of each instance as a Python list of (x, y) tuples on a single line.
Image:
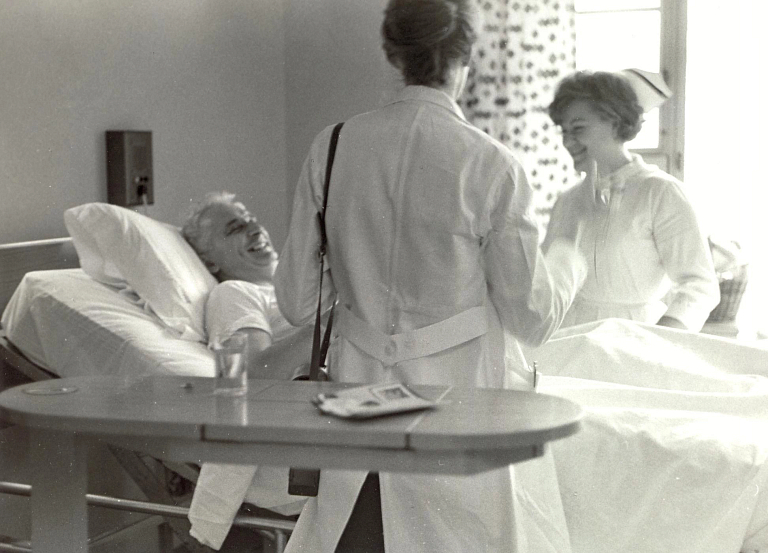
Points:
[(118, 246)]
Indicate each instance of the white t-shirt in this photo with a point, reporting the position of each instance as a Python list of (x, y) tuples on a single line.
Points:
[(235, 305)]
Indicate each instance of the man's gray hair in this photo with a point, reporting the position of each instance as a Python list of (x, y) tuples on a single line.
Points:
[(197, 228)]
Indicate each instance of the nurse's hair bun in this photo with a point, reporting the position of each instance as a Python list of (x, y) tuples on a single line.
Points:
[(423, 38)]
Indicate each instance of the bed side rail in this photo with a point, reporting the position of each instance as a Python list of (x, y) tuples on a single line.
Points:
[(276, 529), (19, 258), (13, 362)]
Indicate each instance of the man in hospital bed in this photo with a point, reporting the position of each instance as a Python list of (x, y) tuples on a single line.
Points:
[(237, 250)]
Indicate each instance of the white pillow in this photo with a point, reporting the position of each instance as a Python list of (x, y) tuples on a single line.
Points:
[(118, 246)]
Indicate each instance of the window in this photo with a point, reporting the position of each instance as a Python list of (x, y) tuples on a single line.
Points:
[(612, 35), (710, 53), (725, 147)]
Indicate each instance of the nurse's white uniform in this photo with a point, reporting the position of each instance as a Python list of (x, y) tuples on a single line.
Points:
[(647, 254), (433, 253)]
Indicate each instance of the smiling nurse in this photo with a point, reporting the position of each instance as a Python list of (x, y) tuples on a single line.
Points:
[(641, 235)]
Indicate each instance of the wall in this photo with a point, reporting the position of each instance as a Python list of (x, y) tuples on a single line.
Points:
[(335, 68), (206, 77)]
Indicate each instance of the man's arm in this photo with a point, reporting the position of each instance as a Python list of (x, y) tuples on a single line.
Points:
[(278, 360)]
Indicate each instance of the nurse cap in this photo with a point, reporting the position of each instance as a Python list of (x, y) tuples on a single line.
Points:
[(650, 88)]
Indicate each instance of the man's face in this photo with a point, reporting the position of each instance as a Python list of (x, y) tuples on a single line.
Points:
[(240, 248)]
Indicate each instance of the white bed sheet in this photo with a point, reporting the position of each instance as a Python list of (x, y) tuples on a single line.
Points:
[(673, 450), (72, 325)]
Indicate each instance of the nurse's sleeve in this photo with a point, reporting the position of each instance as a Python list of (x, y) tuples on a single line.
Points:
[(531, 291), (685, 255), (298, 272)]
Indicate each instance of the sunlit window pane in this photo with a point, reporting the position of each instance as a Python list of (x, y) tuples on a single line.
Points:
[(618, 40), (648, 137), (612, 5)]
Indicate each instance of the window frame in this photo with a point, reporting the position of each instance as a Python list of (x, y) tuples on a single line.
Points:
[(673, 59), (668, 155)]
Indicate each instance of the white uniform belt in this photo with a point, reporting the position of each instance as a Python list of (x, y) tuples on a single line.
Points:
[(394, 348)]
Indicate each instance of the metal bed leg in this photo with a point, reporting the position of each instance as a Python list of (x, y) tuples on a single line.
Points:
[(281, 540), (59, 485), (276, 530), (165, 537)]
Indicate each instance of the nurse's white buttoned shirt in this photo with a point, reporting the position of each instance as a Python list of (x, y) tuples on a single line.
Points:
[(645, 247)]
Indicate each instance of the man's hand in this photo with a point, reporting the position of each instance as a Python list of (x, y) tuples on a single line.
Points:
[(280, 360)]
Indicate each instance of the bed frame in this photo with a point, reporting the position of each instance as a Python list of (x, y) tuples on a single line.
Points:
[(151, 475), (16, 260)]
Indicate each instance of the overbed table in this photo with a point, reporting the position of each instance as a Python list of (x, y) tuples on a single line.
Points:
[(180, 419)]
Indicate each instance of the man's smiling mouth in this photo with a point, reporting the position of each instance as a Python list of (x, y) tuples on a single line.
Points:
[(259, 247)]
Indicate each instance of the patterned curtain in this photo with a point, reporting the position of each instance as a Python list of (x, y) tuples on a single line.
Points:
[(523, 51)]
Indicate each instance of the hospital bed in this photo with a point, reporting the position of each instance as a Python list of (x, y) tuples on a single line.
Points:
[(57, 322), (673, 446), (672, 454)]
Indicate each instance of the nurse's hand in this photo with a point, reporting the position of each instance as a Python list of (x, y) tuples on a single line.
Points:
[(573, 221), (592, 175), (583, 208), (671, 322)]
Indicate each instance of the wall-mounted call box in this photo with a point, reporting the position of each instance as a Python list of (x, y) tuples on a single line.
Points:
[(129, 168)]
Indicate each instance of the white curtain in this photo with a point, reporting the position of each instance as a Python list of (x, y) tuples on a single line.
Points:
[(523, 51)]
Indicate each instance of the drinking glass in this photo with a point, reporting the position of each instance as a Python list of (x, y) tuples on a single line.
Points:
[(231, 373)]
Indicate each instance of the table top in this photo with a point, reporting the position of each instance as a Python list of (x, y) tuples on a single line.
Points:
[(469, 423)]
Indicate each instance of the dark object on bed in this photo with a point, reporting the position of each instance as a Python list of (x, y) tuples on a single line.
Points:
[(732, 286), (731, 265)]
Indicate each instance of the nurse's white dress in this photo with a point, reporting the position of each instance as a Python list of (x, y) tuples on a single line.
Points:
[(434, 254), (646, 252)]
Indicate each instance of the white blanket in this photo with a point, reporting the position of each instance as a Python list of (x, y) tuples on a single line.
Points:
[(671, 456), (222, 488)]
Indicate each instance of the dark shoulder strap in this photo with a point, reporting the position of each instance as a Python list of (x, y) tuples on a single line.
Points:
[(328, 171), (319, 351)]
